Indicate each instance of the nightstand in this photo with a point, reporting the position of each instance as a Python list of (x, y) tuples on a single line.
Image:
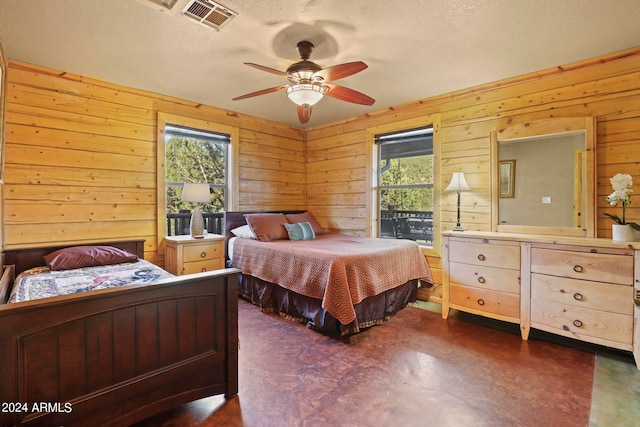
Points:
[(186, 255)]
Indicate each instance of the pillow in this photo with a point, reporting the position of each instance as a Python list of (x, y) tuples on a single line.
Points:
[(300, 231), (244, 231), (87, 256), (306, 217), (268, 226)]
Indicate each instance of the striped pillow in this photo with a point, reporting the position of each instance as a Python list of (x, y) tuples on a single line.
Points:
[(300, 231)]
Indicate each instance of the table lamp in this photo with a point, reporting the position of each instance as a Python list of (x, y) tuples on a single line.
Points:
[(458, 184)]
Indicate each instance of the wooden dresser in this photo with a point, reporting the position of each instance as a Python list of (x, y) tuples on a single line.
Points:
[(186, 255), (575, 287)]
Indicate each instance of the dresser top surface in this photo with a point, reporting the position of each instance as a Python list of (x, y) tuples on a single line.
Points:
[(539, 238)]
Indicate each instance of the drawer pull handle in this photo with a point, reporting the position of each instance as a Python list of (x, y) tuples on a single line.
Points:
[(578, 296), (203, 255), (480, 301), (577, 323), (481, 279), (481, 257), (578, 268)]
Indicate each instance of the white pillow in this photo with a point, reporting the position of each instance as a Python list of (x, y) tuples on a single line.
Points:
[(244, 232)]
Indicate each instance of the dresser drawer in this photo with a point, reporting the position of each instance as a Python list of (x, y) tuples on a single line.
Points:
[(501, 303), (201, 252), (597, 267), (582, 323), (479, 253), (479, 276), (201, 266), (582, 293)]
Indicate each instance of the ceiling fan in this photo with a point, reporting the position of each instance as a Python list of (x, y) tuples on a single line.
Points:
[(310, 82)]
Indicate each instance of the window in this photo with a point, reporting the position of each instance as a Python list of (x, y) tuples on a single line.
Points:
[(405, 185), (192, 150), (194, 156)]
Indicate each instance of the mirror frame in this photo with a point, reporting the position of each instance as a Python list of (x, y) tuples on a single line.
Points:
[(547, 127)]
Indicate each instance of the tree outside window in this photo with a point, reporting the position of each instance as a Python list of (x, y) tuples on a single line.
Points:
[(406, 175), (195, 156)]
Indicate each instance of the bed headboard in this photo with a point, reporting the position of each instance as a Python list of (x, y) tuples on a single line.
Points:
[(236, 219), (24, 259)]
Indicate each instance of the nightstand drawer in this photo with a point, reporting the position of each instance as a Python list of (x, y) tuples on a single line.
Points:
[(202, 252), (201, 266)]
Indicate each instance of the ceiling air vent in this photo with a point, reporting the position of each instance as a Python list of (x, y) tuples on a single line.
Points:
[(209, 13)]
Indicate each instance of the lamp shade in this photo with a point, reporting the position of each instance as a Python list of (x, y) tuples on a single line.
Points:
[(198, 193), (458, 183), (305, 94)]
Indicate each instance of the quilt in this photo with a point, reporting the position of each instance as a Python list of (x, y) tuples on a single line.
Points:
[(40, 282)]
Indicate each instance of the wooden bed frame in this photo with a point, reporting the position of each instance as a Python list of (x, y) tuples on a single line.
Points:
[(115, 356)]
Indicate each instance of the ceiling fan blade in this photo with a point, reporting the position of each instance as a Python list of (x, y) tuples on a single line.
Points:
[(340, 71), (304, 113), (261, 92), (345, 94), (267, 69)]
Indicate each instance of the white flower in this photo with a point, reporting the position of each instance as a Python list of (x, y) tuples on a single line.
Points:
[(620, 183)]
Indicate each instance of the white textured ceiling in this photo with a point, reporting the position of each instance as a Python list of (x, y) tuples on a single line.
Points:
[(414, 48)]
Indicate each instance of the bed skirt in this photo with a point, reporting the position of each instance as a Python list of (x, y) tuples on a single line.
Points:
[(370, 312)]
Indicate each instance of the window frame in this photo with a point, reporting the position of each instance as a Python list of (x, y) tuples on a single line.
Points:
[(232, 188), (373, 184)]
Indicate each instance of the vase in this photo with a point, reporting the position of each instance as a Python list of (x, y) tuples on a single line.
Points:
[(622, 233)]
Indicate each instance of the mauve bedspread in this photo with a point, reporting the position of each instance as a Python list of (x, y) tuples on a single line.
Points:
[(340, 270)]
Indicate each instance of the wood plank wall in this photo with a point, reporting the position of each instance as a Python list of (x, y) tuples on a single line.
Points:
[(81, 152), (607, 88), (81, 159)]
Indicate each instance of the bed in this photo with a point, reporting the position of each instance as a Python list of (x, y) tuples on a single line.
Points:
[(336, 284), (116, 355)]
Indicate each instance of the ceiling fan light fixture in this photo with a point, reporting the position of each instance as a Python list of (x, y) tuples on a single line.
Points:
[(305, 94), (310, 82)]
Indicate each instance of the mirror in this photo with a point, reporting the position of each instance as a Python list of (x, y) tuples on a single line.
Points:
[(543, 177)]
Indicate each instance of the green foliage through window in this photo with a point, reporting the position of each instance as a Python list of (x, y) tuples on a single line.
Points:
[(194, 156), (407, 184), (405, 180)]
